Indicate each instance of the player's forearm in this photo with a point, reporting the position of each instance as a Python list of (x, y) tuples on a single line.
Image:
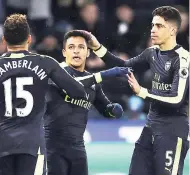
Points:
[(110, 59), (174, 99), (103, 75), (101, 101), (175, 95), (68, 84), (89, 80)]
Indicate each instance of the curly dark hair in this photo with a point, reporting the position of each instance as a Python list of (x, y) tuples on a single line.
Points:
[(16, 29)]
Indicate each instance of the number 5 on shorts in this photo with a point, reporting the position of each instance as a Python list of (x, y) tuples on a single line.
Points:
[(169, 159)]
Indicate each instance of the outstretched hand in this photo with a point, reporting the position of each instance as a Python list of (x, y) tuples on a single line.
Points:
[(115, 72), (133, 83)]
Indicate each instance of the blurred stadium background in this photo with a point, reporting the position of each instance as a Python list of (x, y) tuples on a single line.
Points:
[(123, 26)]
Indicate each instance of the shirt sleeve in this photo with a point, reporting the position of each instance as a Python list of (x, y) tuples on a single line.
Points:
[(87, 80), (112, 60), (63, 79), (101, 101)]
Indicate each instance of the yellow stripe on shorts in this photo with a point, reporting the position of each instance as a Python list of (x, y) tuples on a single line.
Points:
[(177, 156)]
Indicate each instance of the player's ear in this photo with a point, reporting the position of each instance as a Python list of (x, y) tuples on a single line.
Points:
[(3, 40), (63, 52), (29, 39), (88, 53), (173, 31)]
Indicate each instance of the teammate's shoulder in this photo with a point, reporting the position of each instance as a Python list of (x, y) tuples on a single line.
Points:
[(183, 53), (46, 57), (19, 54), (63, 64), (87, 73), (153, 48), (184, 61), (2, 56)]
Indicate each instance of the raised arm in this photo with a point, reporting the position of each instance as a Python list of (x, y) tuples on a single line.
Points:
[(75, 87), (112, 60), (90, 80)]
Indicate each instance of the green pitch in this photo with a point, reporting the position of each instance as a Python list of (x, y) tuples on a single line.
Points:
[(113, 158)]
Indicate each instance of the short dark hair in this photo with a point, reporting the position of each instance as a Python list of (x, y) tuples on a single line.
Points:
[(169, 14), (75, 33), (16, 29)]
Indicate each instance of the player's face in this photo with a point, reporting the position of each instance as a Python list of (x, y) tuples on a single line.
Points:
[(161, 30), (76, 51)]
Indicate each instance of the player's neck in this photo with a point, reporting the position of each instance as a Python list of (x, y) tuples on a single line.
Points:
[(17, 48), (169, 45), (80, 69)]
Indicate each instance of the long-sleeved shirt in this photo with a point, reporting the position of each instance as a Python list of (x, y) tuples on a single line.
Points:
[(23, 85), (66, 117), (170, 83)]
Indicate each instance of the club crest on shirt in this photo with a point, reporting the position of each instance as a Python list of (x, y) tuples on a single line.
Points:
[(168, 65)]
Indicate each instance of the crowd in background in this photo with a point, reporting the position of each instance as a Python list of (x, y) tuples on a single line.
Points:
[(123, 26)]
